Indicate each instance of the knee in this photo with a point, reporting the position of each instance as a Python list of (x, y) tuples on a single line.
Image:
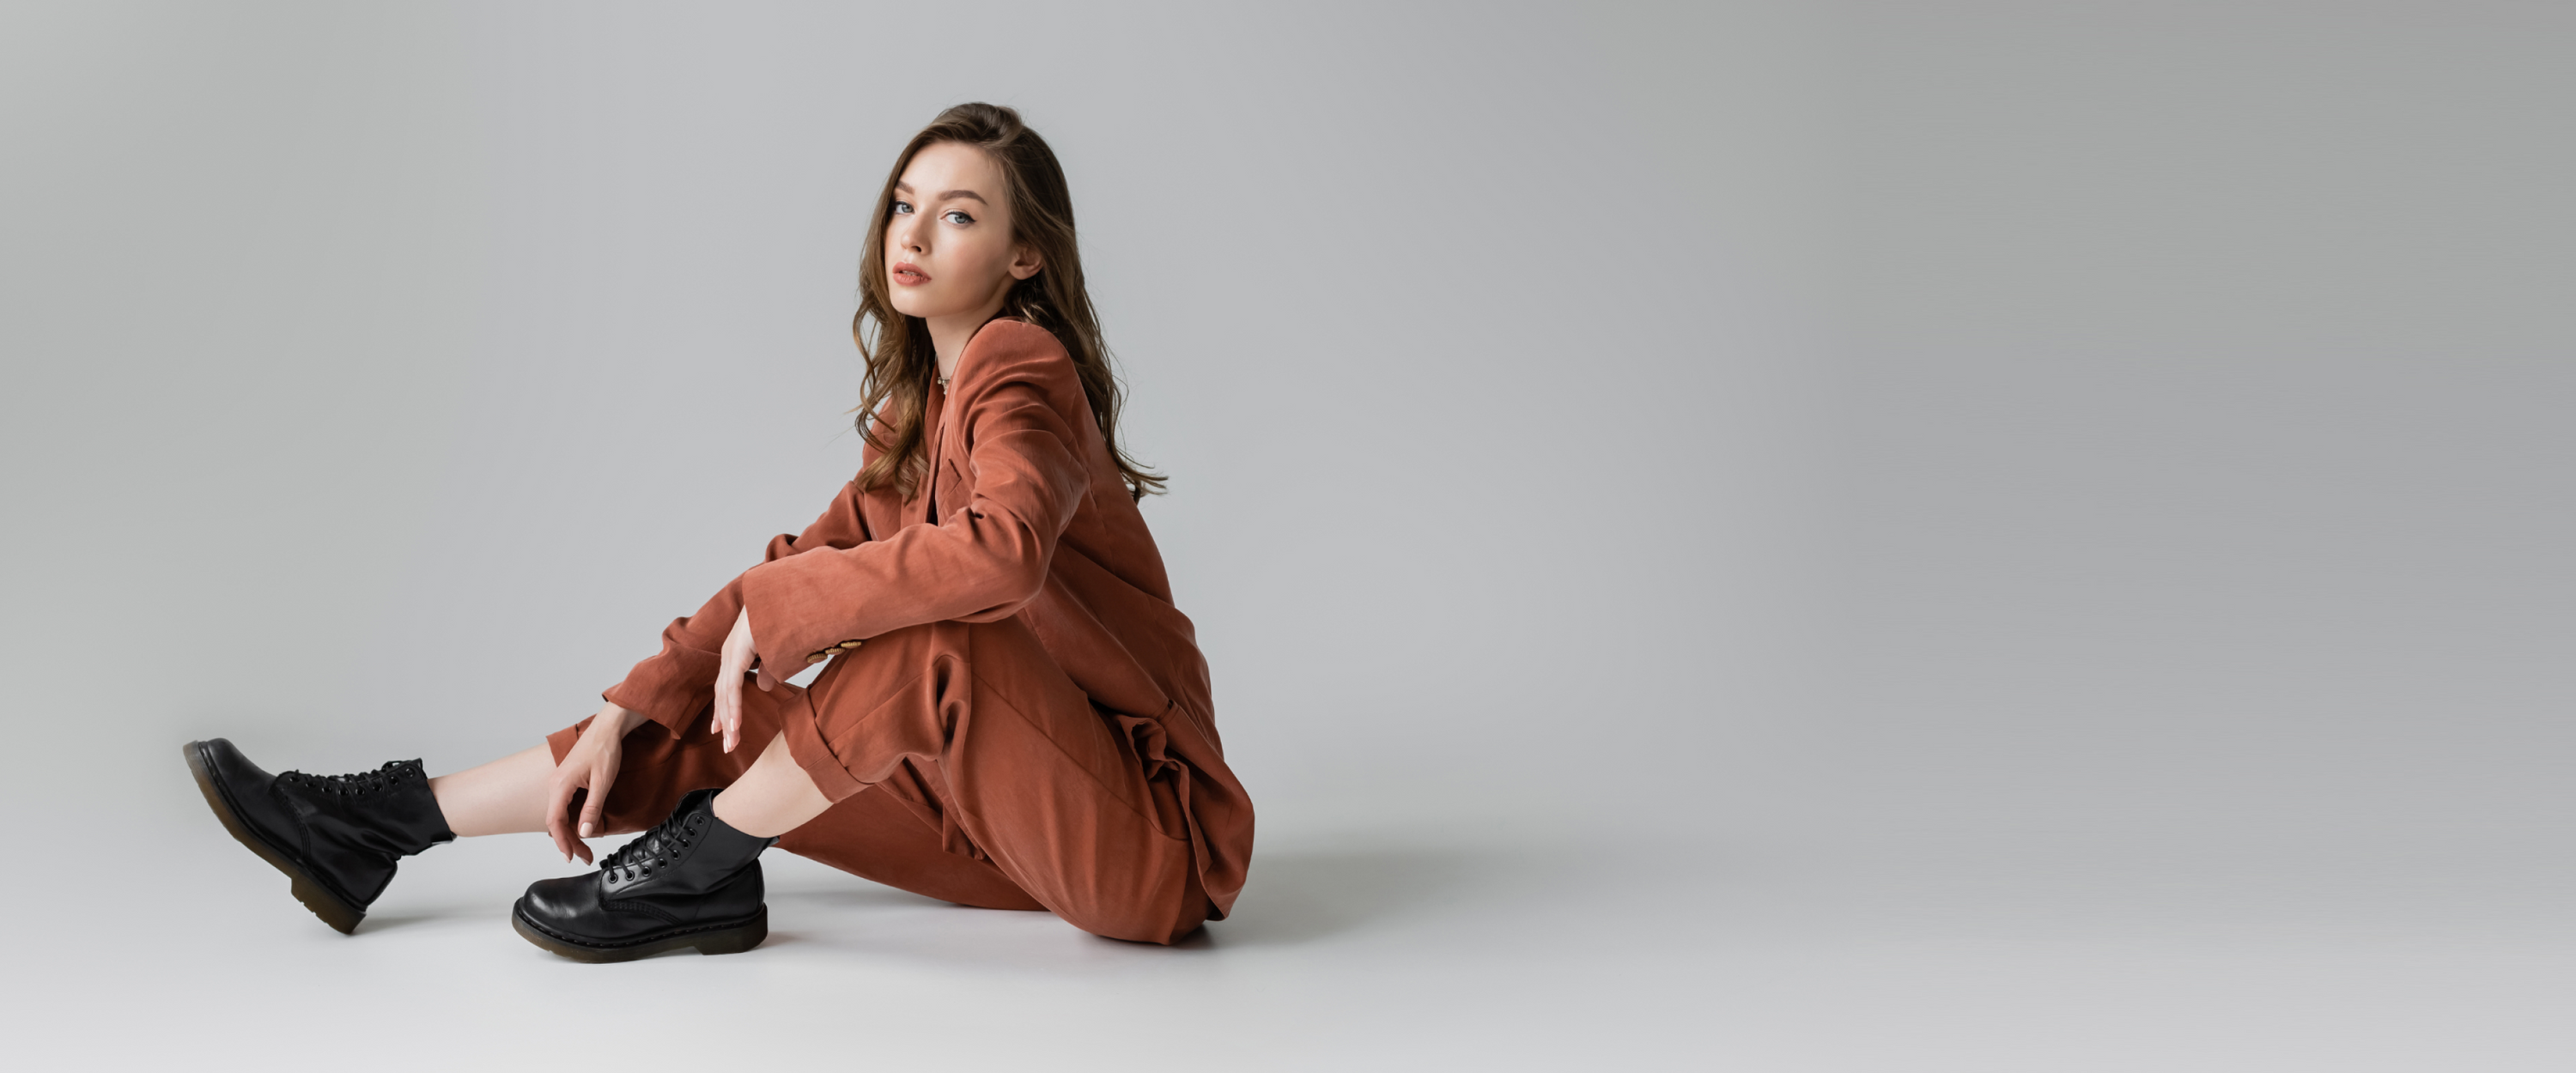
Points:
[(1159, 933), (1161, 925)]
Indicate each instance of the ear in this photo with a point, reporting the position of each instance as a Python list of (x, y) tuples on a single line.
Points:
[(1024, 261)]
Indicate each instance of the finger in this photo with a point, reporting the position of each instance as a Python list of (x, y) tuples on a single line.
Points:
[(558, 800), (573, 845), (572, 839), (764, 681), (591, 809), (728, 703), (603, 775)]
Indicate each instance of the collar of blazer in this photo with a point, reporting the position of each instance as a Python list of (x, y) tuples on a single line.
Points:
[(999, 314)]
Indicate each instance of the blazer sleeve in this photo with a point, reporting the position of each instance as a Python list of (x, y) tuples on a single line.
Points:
[(1016, 406), (674, 685)]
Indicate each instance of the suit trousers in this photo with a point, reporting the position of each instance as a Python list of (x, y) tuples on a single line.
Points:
[(964, 765)]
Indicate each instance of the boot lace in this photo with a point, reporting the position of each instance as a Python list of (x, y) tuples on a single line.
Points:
[(351, 785), (659, 846)]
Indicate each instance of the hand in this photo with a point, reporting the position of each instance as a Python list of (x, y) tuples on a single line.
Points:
[(590, 764), (731, 663)]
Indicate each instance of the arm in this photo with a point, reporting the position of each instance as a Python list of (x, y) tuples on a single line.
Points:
[(672, 686), (988, 557)]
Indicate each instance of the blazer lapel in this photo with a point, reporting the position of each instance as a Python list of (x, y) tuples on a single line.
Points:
[(945, 479)]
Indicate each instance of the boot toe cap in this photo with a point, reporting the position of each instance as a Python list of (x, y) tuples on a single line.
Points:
[(561, 901), (239, 793)]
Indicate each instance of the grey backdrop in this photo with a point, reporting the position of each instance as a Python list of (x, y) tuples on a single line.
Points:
[(2111, 458)]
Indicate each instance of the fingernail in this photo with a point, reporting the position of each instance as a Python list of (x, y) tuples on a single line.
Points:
[(585, 831)]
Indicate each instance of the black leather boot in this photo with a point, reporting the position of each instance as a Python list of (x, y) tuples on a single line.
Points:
[(693, 880), (335, 836)]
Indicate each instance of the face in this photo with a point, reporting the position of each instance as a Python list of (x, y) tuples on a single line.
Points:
[(948, 249)]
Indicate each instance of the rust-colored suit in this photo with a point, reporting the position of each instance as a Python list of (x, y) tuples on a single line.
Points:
[(1027, 723)]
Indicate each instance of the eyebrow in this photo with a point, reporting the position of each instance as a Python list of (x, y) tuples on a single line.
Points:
[(945, 194)]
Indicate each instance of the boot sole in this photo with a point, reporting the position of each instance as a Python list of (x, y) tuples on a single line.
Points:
[(732, 937), (333, 910)]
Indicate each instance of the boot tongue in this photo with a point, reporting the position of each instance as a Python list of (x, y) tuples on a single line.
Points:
[(662, 839), (393, 772)]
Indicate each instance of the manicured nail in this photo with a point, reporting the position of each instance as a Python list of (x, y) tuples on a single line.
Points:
[(585, 831)]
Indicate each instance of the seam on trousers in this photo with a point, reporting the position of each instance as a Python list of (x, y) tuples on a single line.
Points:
[(1151, 823), (897, 693)]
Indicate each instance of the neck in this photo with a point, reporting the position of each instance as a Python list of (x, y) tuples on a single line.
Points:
[(948, 334)]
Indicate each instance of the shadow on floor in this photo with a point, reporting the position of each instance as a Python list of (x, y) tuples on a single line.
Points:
[(1291, 896), (384, 922), (1297, 896)]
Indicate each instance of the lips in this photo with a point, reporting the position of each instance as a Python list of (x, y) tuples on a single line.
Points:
[(904, 272)]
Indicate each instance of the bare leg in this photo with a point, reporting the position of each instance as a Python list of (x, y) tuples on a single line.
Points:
[(772, 798), (506, 796)]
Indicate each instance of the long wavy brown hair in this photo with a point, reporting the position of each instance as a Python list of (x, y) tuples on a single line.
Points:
[(901, 359)]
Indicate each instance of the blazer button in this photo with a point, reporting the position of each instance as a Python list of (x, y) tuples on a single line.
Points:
[(849, 644), (816, 657)]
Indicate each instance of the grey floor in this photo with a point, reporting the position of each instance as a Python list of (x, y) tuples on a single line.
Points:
[(2024, 536), (1433, 950)]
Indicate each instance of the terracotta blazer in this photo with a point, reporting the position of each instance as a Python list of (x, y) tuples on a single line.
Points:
[(1023, 514)]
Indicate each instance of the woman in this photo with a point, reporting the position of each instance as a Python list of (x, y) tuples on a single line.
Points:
[(1013, 714)]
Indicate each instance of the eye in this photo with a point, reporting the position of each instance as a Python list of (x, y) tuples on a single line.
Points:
[(958, 212), (902, 208)]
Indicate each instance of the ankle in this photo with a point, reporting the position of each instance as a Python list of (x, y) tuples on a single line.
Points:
[(757, 814)]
